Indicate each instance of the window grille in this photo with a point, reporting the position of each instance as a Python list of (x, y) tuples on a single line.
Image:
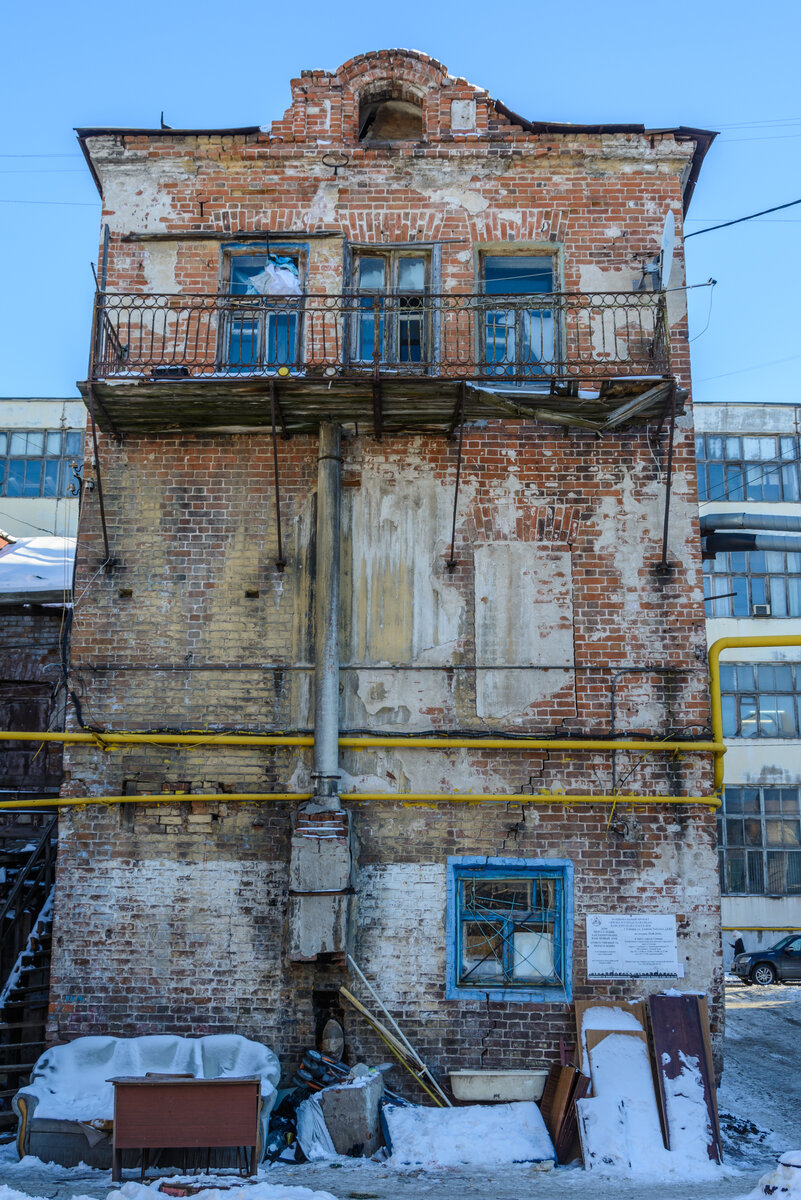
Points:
[(759, 840), (748, 468), (36, 462), (510, 926), (761, 700), (737, 582)]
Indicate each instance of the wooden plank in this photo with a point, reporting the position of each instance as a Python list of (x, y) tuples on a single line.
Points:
[(561, 1101), (568, 1145), (679, 1033), (549, 1092)]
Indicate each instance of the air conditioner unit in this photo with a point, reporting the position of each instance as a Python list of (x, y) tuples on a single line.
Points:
[(760, 610)]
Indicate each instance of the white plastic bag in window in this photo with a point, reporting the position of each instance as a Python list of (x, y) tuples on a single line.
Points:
[(276, 280)]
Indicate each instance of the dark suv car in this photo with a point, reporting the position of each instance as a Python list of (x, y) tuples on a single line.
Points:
[(779, 964)]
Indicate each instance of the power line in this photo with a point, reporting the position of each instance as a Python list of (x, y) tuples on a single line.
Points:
[(58, 203), (42, 171), (756, 367), (739, 220), (73, 155)]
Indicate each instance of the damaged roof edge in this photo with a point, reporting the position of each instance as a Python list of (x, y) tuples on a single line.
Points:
[(703, 138)]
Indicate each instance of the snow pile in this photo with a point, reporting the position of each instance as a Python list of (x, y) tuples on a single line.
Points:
[(7, 1193), (37, 564), (476, 1135), (784, 1182), (253, 1191), (620, 1124), (70, 1082)]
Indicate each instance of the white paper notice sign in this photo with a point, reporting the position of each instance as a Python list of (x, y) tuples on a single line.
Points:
[(631, 947)]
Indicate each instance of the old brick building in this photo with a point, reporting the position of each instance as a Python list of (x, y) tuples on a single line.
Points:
[(428, 335)]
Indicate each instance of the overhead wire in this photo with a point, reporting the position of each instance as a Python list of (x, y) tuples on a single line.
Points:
[(739, 220)]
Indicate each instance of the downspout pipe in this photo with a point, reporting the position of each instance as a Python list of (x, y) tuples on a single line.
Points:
[(779, 523), (719, 543), (326, 776)]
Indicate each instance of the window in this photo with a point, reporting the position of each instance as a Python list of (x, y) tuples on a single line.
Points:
[(393, 317), (748, 468), (518, 339), (761, 699), (759, 840), (387, 117), (737, 581), (262, 324), (510, 928), (37, 462)]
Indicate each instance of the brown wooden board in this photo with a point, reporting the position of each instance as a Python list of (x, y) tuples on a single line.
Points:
[(678, 1029), (568, 1145), (549, 1091), (561, 1101)]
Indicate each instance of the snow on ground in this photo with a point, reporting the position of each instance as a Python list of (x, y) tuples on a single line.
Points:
[(762, 1079), (760, 1103), (478, 1134)]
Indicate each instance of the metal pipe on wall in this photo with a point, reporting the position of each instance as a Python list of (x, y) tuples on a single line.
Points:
[(779, 523), (325, 777), (719, 543)]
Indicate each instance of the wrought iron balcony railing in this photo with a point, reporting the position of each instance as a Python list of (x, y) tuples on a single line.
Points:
[(589, 337)]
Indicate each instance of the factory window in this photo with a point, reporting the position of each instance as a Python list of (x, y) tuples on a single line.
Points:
[(748, 468), (263, 317), (518, 335), (37, 462), (393, 315), (761, 700), (510, 928), (759, 840), (747, 583)]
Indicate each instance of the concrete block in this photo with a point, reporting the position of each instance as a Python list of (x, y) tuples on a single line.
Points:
[(319, 864), (318, 925), (351, 1114)]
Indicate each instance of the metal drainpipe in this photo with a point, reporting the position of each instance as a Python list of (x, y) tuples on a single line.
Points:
[(325, 777)]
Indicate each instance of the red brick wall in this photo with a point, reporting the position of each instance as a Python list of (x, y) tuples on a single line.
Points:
[(173, 917)]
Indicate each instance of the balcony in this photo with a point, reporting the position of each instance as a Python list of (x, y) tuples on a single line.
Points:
[(391, 362)]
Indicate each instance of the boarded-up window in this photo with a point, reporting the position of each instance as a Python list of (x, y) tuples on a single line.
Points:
[(524, 618)]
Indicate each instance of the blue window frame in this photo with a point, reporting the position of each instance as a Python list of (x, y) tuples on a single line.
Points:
[(263, 328), (510, 929), (519, 337)]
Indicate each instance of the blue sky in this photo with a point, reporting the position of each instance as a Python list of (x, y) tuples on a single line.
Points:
[(726, 66)]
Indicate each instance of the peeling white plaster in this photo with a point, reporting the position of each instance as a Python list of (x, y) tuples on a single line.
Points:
[(323, 210), (523, 615), (159, 263), (457, 197), (398, 604)]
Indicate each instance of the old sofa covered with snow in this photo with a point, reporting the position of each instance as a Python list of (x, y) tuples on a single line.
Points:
[(65, 1113)]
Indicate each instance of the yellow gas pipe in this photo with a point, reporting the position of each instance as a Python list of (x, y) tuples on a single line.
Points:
[(108, 738), (407, 799)]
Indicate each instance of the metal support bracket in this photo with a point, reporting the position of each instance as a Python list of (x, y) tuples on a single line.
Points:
[(664, 565), (378, 410), (451, 563), (277, 411), (280, 562)]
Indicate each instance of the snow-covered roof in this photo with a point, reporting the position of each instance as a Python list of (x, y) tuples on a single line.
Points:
[(37, 570)]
